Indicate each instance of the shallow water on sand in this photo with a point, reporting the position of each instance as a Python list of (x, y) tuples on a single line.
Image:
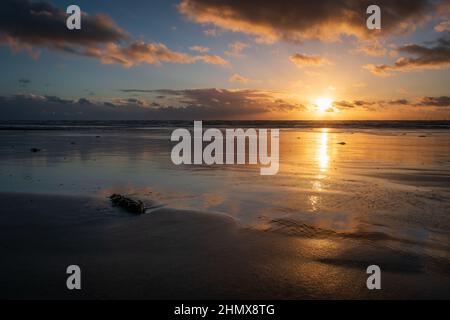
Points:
[(383, 186)]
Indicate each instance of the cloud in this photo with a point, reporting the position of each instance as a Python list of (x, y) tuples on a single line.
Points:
[(24, 82), (138, 91), (84, 101), (212, 33), (151, 53), (238, 78), (436, 57), (442, 101), (301, 20), (305, 60), (212, 59), (397, 102), (342, 105), (137, 52), (188, 104), (370, 105), (175, 105), (443, 7), (55, 99), (443, 10), (374, 49), (26, 25), (443, 26), (235, 102), (199, 49), (236, 48)]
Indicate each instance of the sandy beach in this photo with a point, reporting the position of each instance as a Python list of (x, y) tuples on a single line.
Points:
[(175, 254), (225, 232)]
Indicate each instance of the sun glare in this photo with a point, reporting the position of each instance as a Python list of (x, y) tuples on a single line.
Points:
[(323, 104)]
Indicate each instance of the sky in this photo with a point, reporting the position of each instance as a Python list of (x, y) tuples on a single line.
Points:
[(225, 59)]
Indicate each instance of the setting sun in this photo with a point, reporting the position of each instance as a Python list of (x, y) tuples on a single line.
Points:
[(323, 104)]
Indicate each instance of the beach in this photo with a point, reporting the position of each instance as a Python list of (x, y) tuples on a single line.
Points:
[(345, 197)]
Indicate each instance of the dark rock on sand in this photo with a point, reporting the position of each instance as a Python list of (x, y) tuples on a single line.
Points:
[(130, 205), (342, 143)]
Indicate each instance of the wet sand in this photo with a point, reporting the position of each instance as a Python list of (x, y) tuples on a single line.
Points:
[(178, 254), (225, 231)]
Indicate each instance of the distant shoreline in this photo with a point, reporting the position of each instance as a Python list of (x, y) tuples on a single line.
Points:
[(282, 124)]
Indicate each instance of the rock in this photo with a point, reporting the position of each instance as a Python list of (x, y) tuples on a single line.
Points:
[(342, 143), (35, 150), (130, 205)]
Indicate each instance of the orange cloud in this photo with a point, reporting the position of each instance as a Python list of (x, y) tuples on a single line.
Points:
[(443, 26), (212, 33), (437, 57), (236, 48), (301, 20), (151, 53), (305, 60), (238, 78), (375, 49), (199, 49), (441, 101), (212, 59)]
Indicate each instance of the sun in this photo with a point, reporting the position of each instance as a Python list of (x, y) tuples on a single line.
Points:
[(323, 104)]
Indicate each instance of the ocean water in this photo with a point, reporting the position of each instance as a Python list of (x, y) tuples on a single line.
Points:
[(292, 124)]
